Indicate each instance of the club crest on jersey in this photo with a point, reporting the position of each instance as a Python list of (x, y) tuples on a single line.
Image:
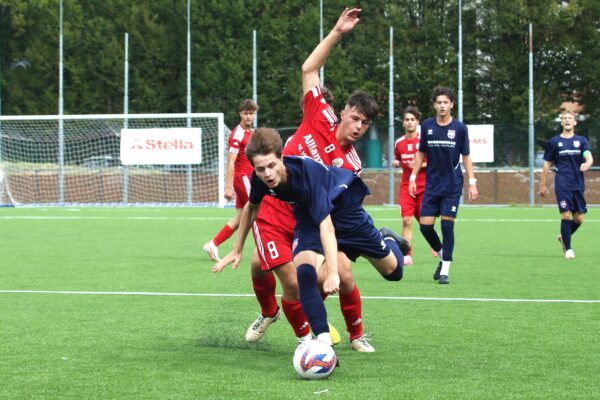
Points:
[(430, 131), (563, 205), (576, 144), (451, 134), (337, 162), (560, 144)]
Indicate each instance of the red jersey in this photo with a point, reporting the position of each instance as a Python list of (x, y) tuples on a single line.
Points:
[(315, 138), (237, 145), (404, 151)]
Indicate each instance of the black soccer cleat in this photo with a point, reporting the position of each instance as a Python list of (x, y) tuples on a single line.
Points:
[(436, 274), (443, 280), (402, 243)]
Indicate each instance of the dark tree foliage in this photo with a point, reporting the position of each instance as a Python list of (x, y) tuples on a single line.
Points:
[(495, 56)]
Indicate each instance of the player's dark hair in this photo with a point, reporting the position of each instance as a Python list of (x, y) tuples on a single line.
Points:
[(414, 111), (364, 104), (248, 105), (262, 142), (442, 91)]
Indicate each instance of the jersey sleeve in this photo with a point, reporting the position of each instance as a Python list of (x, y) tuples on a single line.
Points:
[(235, 140), (549, 151), (258, 189), (465, 147)]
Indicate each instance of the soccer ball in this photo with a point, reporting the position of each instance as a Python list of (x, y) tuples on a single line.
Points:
[(314, 359)]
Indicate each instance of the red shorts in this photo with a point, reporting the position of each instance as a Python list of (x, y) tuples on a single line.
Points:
[(410, 206), (241, 186), (274, 233)]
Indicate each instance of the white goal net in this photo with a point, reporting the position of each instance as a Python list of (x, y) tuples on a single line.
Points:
[(76, 160)]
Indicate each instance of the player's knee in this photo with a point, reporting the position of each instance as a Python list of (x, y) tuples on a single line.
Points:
[(396, 274), (425, 228)]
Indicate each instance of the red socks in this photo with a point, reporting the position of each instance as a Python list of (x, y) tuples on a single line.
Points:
[(296, 317), (264, 288), (224, 234), (351, 306)]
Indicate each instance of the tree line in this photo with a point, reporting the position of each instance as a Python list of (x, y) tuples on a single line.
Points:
[(495, 56)]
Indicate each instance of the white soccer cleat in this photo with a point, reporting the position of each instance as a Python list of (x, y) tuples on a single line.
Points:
[(569, 254), (408, 260), (259, 327), (212, 251), (362, 345)]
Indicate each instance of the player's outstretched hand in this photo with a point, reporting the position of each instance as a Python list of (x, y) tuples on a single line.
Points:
[(347, 20), (331, 284), (233, 257)]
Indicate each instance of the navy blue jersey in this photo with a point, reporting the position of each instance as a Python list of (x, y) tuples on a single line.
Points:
[(567, 157), (316, 191), (443, 146)]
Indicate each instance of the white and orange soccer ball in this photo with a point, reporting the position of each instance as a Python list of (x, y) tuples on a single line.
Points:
[(314, 359)]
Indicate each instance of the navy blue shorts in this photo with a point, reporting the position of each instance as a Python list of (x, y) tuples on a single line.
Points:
[(362, 238), (571, 200), (434, 206)]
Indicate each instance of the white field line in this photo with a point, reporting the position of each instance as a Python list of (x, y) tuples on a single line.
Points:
[(91, 218), (475, 299)]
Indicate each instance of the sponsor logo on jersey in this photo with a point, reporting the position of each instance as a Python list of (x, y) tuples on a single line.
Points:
[(451, 134), (337, 162)]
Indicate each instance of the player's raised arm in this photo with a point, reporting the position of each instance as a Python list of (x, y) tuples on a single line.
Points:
[(235, 255), (316, 59)]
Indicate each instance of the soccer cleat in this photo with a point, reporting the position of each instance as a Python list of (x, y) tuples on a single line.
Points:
[(443, 280), (436, 274), (303, 339), (212, 251), (335, 335), (362, 345), (569, 254), (559, 238), (403, 244), (408, 260), (259, 327)]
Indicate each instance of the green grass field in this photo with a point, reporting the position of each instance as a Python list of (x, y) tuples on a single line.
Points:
[(121, 303)]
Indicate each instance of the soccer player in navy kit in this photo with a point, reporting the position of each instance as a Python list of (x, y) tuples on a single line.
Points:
[(571, 155), (443, 140), (329, 216)]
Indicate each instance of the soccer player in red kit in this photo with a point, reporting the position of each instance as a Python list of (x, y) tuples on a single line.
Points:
[(237, 179), (321, 137), (404, 155)]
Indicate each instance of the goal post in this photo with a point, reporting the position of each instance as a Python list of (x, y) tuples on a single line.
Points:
[(76, 160)]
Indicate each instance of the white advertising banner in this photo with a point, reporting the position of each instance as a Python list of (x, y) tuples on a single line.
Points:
[(481, 143), (161, 146)]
